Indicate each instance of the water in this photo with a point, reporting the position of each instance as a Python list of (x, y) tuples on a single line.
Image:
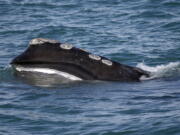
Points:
[(143, 33)]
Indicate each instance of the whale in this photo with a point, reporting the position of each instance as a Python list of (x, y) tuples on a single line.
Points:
[(72, 63)]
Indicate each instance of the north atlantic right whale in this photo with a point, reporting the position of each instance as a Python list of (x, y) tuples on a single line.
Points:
[(73, 63)]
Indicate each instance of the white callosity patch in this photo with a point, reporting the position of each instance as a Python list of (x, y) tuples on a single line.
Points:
[(94, 57), (48, 71), (39, 41), (107, 62), (66, 46)]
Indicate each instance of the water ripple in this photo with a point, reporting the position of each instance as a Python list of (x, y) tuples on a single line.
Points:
[(128, 31)]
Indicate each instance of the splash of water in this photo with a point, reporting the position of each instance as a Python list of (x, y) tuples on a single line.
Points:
[(161, 71)]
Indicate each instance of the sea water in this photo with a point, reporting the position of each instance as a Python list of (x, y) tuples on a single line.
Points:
[(141, 33)]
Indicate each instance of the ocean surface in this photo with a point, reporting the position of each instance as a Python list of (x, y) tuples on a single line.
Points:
[(141, 33)]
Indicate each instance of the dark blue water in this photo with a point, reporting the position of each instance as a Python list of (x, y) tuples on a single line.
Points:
[(143, 33)]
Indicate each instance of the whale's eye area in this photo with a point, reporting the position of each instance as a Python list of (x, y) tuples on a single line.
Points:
[(40, 41), (94, 57), (66, 46), (107, 62)]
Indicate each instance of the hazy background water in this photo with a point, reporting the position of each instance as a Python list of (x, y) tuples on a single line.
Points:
[(143, 33)]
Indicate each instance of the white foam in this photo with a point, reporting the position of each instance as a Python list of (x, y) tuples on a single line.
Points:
[(48, 71), (159, 71)]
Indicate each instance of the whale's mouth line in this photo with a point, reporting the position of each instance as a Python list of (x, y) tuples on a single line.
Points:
[(74, 69), (50, 71)]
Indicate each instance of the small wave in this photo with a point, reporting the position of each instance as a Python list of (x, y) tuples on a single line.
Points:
[(154, 14), (173, 26), (6, 73), (161, 71), (172, 4), (40, 3)]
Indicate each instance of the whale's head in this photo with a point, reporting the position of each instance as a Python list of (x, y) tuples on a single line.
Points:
[(51, 55), (46, 56)]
